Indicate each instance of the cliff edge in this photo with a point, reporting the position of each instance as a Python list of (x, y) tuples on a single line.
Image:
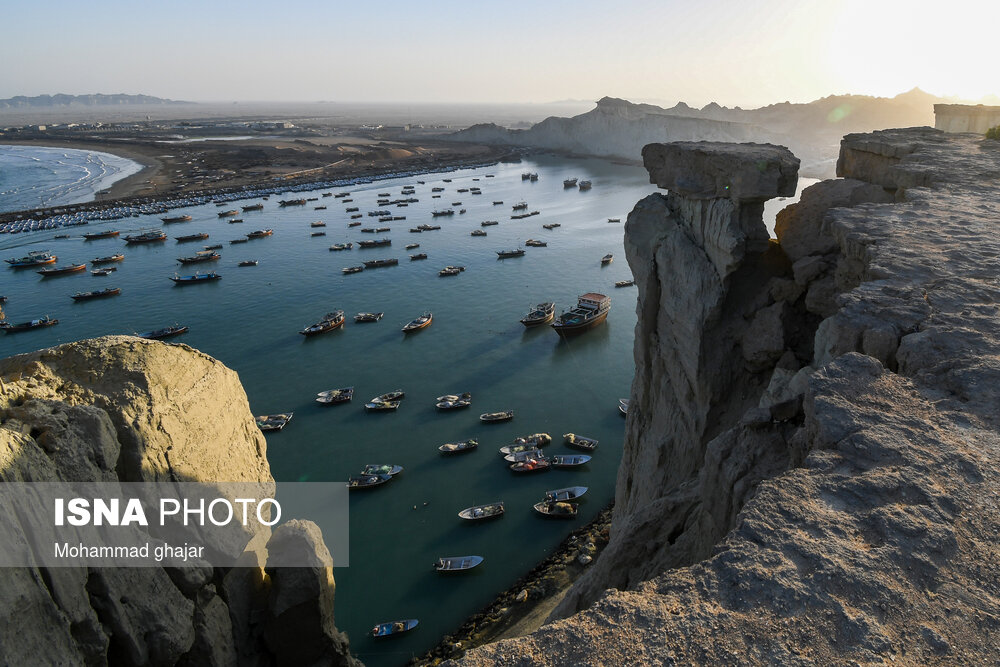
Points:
[(125, 409), (812, 455)]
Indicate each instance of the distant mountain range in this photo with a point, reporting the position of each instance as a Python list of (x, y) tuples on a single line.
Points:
[(97, 100), (619, 128)]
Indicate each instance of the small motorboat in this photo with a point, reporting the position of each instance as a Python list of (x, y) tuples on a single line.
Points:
[(580, 442), (106, 271), (569, 183), (352, 269), (585, 185), (625, 283), (499, 202), (396, 395), (274, 422), (110, 291), (354, 224), (341, 246), (368, 317), (110, 259), (564, 494), (329, 322), (535, 243), (557, 510), (451, 270), (62, 270), (260, 233), (166, 332), (318, 234), (458, 447), (454, 397), (551, 225), (236, 221), (481, 512), (381, 406), (253, 207), (490, 417), (418, 256), (229, 214), (40, 323), (506, 254), (196, 278), (568, 460), (93, 236), (412, 246), (421, 322), (531, 464), (523, 455), (367, 481), (248, 262), (453, 405), (457, 563), (533, 441), (477, 232), (623, 406), (217, 246), (489, 223), (335, 396), (540, 314), (607, 259), (381, 469), (317, 224), (393, 628), (235, 241), (614, 219)]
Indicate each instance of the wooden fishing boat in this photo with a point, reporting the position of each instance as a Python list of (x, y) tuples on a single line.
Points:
[(489, 223), (248, 262), (490, 417), (477, 232), (584, 185), (335, 396), (412, 246), (291, 202), (235, 241), (229, 214), (523, 455), (354, 224), (507, 254), (428, 228), (341, 246), (520, 206), (453, 405), (62, 270), (367, 481), (591, 309), (191, 237), (446, 212), (200, 256), (569, 183), (419, 256), (607, 259), (252, 207), (454, 397), (106, 271), (382, 469), (396, 395), (176, 218), (379, 263), (329, 322), (110, 291), (318, 223), (33, 258), (110, 259), (381, 406), (533, 441), (318, 234), (274, 422), (625, 283), (93, 236), (557, 510), (580, 442), (551, 225), (457, 563), (458, 447), (374, 243), (40, 323), (419, 323), (166, 332), (531, 464), (535, 243), (540, 314), (352, 269), (566, 493), (482, 512), (568, 460), (612, 220), (368, 317), (260, 233), (196, 278), (148, 237), (623, 406), (217, 246), (393, 628), (451, 270)]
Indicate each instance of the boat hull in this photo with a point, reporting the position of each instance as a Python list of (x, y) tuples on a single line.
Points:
[(574, 329)]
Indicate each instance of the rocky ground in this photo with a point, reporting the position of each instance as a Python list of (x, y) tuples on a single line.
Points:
[(812, 463)]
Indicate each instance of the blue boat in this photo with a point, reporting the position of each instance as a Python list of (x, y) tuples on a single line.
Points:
[(196, 278), (393, 628)]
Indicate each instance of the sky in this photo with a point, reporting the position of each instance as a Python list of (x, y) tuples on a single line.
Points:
[(748, 53)]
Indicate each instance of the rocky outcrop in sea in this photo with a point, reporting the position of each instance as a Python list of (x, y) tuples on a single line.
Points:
[(811, 470)]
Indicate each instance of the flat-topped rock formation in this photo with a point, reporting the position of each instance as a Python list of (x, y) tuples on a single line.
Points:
[(126, 409), (812, 455)]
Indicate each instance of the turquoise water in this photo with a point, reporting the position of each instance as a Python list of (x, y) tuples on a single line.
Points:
[(249, 320), (35, 177)]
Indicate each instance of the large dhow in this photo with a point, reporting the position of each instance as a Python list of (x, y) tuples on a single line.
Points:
[(329, 322), (591, 309), (33, 258), (148, 237)]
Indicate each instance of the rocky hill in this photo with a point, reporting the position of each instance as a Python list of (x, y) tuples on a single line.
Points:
[(618, 128), (126, 409), (811, 470), (96, 100)]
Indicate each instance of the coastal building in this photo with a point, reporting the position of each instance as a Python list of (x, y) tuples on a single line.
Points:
[(966, 117)]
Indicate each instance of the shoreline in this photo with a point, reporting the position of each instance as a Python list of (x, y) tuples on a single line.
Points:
[(525, 606)]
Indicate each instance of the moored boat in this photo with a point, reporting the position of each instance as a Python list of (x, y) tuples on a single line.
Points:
[(242, 240), (253, 207), (591, 309), (374, 243), (147, 237), (411, 246), (607, 259), (569, 183), (341, 246), (419, 256), (110, 291), (33, 258), (176, 218), (551, 225), (477, 232), (393, 628), (456, 404), (457, 563), (567, 493), (396, 396), (535, 243), (62, 270), (540, 314), (614, 219), (329, 322), (504, 254), (481, 512), (625, 283), (580, 442), (109, 234), (352, 269), (584, 185), (381, 406), (490, 417), (106, 271), (531, 464), (40, 323), (248, 262), (378, 263), (367, 481), (623, 406), (419, 323), (274, 422), (335, 396), (451, 270), (229, 214), (533, 441), (200, 256), (110, 259), (557, 509), (457, 447), (520, 206), (569, 460), (191, 237), (291, 202), (368, 317), (260, 233), (196, 278), (166, 332)]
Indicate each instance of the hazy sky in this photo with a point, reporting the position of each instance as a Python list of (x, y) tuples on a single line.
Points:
[(748, 53)]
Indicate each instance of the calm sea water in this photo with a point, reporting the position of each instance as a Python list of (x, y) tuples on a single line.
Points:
[(34, 177), (249, 320)]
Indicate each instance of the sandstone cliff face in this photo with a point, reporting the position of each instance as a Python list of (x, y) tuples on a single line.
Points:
[(812, 456), (126, 409)]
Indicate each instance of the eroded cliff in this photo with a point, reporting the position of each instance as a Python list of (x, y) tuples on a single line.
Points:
[(126, 409), (812, 458)]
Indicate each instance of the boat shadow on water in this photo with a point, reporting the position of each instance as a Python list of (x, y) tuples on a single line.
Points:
[(583, 342)]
